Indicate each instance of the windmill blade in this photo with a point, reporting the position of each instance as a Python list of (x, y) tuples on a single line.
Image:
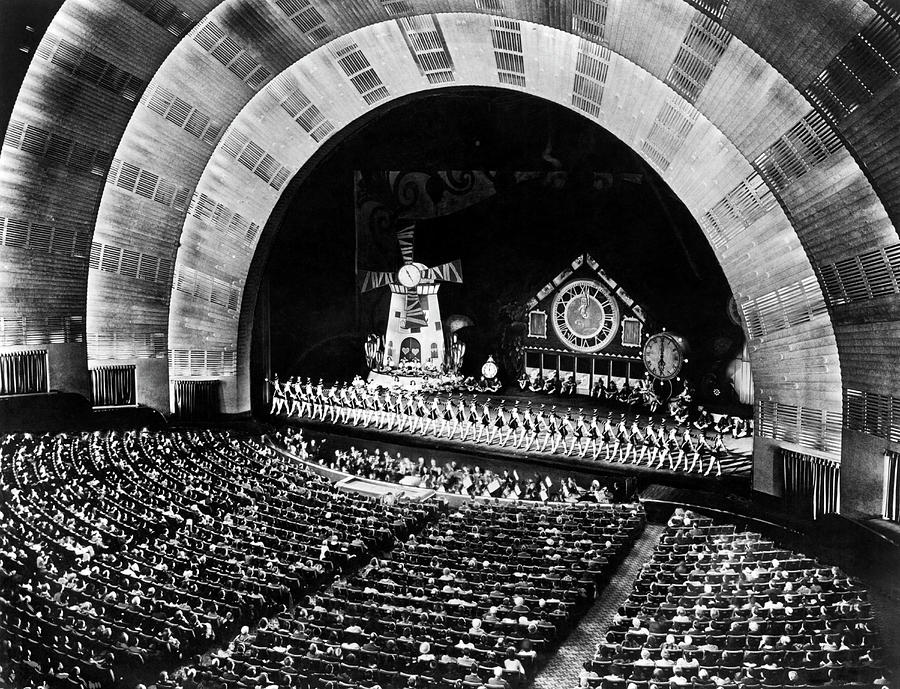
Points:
[(446, 272), (374, 279), (415, 315), (407, 240)]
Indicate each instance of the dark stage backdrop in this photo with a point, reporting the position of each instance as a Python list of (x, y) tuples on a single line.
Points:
[(587, 192)]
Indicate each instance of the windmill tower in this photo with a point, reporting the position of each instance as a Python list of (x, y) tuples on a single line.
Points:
[(414, 333)]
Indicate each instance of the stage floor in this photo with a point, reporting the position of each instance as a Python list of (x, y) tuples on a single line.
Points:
[(736, 465)]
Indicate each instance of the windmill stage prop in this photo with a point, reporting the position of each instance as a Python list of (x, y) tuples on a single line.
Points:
[(413, 342)]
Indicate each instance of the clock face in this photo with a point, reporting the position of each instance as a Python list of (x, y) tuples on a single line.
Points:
[(585, 315), (489, 370), (409, 275), (663, 356)]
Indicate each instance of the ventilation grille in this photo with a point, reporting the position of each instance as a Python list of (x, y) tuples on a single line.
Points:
[(700, 51), (23, 373), (673, 123), (361, 73), (788, 306), (19, 330), (814, 429), (506, 36), (489, 5), (251, 155), (869, 412), (740, 208), (23, 234), (205, 287), (89, 67), (591, 70), (806, 144), (428, 48), (233, 224), (139, 345), (212, 39), (296, 104), (589, 19), (396, 8), (868, 62), (58, 150), (182, 114), (712, 8), (131, 264), (866, 276), (887, 9), (164, 13), (131, 178), (306, 18), (202, 362)]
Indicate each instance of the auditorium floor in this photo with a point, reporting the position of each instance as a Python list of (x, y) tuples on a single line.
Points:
[(562, 669)]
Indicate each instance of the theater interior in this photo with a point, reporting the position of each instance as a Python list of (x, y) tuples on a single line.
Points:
[(449, 343)]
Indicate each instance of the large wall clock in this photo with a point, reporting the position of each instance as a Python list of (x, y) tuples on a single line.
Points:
[(585, 315)]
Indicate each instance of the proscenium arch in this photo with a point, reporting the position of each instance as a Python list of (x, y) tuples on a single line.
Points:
[(262, 121), (752, 94)]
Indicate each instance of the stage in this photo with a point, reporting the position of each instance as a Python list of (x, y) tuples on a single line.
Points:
[(736, 465)]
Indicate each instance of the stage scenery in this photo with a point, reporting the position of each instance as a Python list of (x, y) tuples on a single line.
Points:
[(483, 344)]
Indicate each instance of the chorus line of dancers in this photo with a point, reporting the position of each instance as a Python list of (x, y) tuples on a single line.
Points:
[(522, 426)]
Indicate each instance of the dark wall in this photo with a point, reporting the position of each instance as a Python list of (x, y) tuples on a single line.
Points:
[(510, 244), (22, 25)]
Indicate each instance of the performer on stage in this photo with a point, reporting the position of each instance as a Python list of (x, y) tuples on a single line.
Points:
[(307, 396), (702, 446), (574, 431), (582, 433), (526, 425), (499, 422), (621, 438), (549, 428), (703, 420), (279, 403), (460, 417), (484, 421), (718, 451), (635, 439), (670, 446), (319, 401), (566, 430), (686, 446), (536, 427), (608, 435), (513, 426), (447, 416), (651, 442)]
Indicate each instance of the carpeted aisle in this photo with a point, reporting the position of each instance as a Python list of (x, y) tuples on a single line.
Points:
[(561, 671)]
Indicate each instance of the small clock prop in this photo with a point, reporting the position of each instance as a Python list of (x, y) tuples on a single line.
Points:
[(664, 355), (410, 275), (489, 368)]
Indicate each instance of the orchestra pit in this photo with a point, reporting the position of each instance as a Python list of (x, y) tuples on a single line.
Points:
[(449, 344)]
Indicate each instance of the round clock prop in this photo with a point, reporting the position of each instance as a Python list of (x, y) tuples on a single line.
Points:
[(585, 315), (664, 355), (409, 275), (489, 368)]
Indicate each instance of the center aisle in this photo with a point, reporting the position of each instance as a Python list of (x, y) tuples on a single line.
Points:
[(561, 671)]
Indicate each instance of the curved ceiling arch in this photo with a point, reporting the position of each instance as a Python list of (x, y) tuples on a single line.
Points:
[(829, 198), (264, 128)]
